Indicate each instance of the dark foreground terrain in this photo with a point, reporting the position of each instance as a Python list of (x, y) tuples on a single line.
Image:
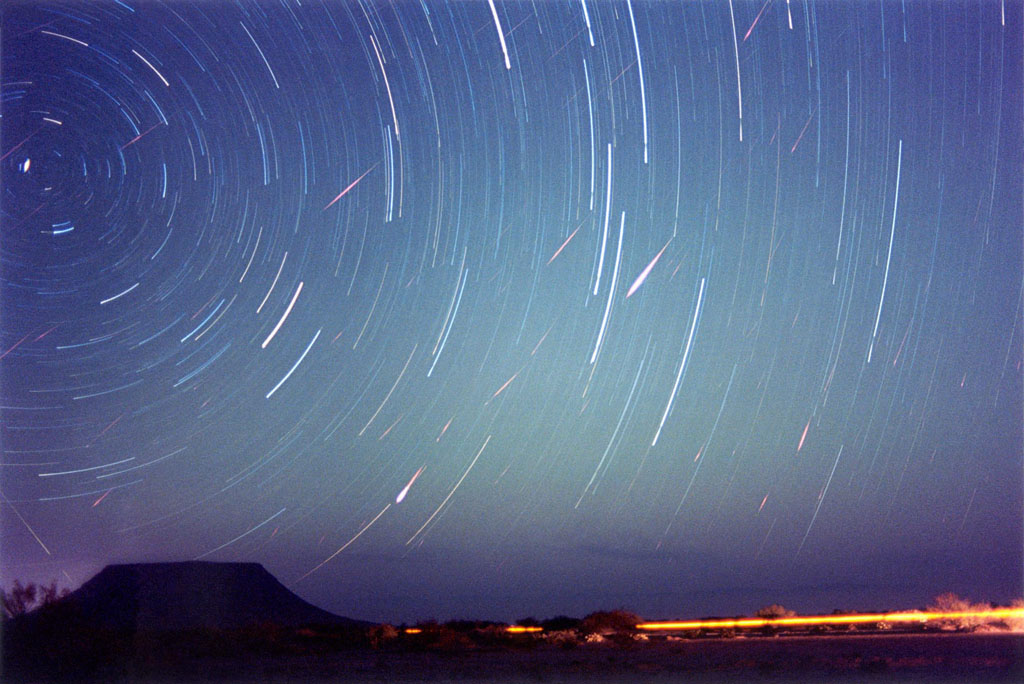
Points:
[(274, 656), (228, 623)]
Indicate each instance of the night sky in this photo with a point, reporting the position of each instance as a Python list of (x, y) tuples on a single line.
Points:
[(474, 309)]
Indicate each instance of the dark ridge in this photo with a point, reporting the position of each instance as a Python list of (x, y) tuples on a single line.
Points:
[(192, 595)]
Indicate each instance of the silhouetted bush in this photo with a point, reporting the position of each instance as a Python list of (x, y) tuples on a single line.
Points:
[(951, 603), (563, 638), (610, 622), (56, 642), (450, 640), (382, 635), (774, 611), (467, 626), (560, 623), (1016, 624), (24, 599)]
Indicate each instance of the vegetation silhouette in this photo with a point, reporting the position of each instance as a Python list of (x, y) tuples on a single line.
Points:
[(21, 599), (53, 635)]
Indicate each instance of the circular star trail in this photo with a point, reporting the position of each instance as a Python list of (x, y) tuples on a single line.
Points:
[(486, 309)]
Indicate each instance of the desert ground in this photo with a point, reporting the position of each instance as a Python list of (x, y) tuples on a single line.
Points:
[(934, 657)]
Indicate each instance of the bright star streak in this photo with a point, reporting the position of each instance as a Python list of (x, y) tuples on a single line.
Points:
[(820, 500), (888, 256), (646, 272), (283, 316), (150, 66), (267, 296), (85, 470), (245, 534), (261, 55), (640, 70), (27, 526), (611, 292), (119, 295), (405, 489), (501, 34), (434, 514), (292, 370), (388, 396), (607, 214), (73, 40), (346, 544), (736, 49), (682, 366)]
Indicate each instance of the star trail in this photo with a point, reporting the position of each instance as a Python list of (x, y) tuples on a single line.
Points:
[(488, 309)]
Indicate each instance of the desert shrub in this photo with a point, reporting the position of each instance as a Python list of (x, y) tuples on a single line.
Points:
[(1016, 624), (948, 603), (560, 623), (492, 635), (21, 599), (430, 635), (563, 638), (57, 643), (427, 627), (951, 603), (381, 635), (450, 640), (774, 611), (610, 622)]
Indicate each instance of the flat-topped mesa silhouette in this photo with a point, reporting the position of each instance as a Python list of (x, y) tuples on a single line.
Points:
[(193, 594)]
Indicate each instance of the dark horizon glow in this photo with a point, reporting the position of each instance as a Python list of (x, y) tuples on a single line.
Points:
[(495, 309)]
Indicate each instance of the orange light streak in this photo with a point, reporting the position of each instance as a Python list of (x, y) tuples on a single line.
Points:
[(808, 620), (350, 185), (16, 344), (97, 502), (139, 136), (445, 429), (559, 250), (543, 337), (405, 489), (801, 136), (646, 272), (756, 19), (803, 436), (46, 333), (502, 388), (516, 629)]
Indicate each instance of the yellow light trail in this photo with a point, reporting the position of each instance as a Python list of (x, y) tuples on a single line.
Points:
[(513, 629), (808, 620)]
